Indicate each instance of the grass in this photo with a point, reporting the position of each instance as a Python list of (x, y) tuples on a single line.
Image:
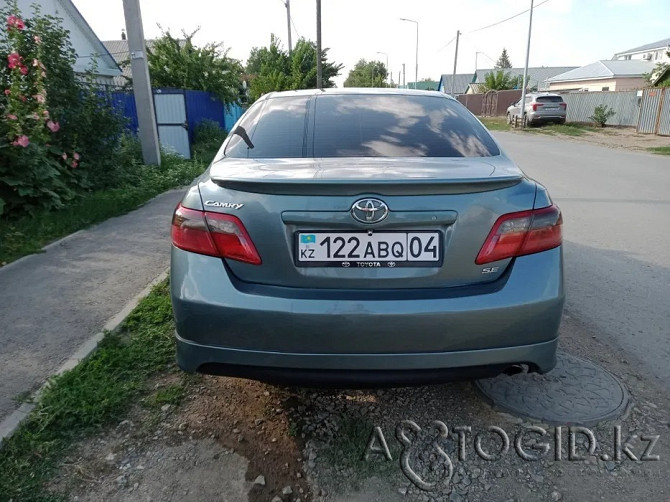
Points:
[(95, 394), (568, 129), (661, 150), (495, 123), (30, 234)]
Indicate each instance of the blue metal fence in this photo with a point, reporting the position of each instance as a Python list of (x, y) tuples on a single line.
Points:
[(200, 105)]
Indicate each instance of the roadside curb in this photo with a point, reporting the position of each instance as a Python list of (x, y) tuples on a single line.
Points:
[(9, 425)]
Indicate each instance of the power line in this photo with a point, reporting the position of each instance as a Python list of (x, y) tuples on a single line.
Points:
[(506, 19), (446, 45), (295, 28)]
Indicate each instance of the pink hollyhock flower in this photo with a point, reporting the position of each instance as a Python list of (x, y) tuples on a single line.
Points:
[(23, 70), (15, 22), (21, 141), (14, 60), (37, 39), (44, 74), (74, 164), (40, 98), (53, 126), (75, 155), (45, 113), (36, 62), (64, 156), (12, 117), (7, 92)]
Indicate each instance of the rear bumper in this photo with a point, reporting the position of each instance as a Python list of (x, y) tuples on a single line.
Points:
[(288, 335), (546, 117)]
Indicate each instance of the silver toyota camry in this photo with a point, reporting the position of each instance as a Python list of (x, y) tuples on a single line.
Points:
[(354, 237)]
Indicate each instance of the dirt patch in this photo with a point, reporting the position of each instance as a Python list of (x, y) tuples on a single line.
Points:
[(229, 440), (622, 137), (237, 440)]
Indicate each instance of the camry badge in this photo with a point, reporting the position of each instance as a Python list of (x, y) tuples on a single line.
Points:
[(227, 205)]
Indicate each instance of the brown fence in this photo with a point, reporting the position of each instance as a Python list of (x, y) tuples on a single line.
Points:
[(655, 112), (503, 99)]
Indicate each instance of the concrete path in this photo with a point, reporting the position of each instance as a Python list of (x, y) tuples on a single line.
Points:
[(51, 303)]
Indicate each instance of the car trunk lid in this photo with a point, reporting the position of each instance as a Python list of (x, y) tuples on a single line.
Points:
[(455, 200)]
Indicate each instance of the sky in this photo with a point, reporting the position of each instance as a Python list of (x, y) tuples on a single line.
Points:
[(564, 32)]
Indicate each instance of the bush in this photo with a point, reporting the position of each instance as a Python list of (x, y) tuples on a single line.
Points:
[(207, 139), (601, 114), (59, 135)]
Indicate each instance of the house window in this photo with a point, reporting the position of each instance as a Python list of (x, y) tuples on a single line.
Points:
[(605, 89)]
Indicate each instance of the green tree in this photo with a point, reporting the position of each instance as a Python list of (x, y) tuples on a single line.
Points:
[(500, 81), (272, 69), (660, 75), (268, 69), (182, 65), (303, 66), (503, 60), (367, 74)]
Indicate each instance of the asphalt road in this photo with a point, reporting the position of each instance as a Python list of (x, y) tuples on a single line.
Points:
[(616, 210), (51, 303)]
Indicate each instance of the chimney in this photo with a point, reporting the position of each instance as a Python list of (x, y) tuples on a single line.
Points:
[(123, 34)]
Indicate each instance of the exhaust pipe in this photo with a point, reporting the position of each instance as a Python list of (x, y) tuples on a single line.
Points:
[(515, 369)]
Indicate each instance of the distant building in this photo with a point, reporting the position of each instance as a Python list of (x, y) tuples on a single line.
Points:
[(537, 77), (84, 41), (655, 51), (605, 75)]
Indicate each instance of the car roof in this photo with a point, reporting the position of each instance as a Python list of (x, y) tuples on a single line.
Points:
[(543, 94), (358, 91)]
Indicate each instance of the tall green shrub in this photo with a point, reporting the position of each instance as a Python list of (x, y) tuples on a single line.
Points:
[(58, 134)]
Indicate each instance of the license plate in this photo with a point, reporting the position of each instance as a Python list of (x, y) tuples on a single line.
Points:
[(369, 249)]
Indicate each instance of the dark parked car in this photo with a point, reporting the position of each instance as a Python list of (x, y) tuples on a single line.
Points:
[(361, 237)]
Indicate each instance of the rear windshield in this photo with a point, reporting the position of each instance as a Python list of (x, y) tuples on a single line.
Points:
[(362, 126), (549, 99)]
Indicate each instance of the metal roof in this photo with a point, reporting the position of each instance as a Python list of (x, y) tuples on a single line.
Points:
[(661, 44), (118, 49), (606, 69), (536, 77)]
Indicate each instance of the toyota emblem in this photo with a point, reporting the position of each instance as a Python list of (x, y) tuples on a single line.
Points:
[(369, 210)]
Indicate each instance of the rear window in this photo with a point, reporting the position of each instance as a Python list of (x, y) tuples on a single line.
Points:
[(549, 99), (371, 125)]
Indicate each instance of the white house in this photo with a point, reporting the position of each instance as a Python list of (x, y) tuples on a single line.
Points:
[(85, 42), (605, 75), (655, 51)]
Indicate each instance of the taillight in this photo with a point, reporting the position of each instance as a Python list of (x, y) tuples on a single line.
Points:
[(522, 233), (213, 234), (564, 105), (536, 105)]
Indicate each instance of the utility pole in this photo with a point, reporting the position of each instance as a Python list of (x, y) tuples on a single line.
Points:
[(416, 74), (525, 69), (144, 102), (399, 78), (319, 69), (453, 77), (288, 22)]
